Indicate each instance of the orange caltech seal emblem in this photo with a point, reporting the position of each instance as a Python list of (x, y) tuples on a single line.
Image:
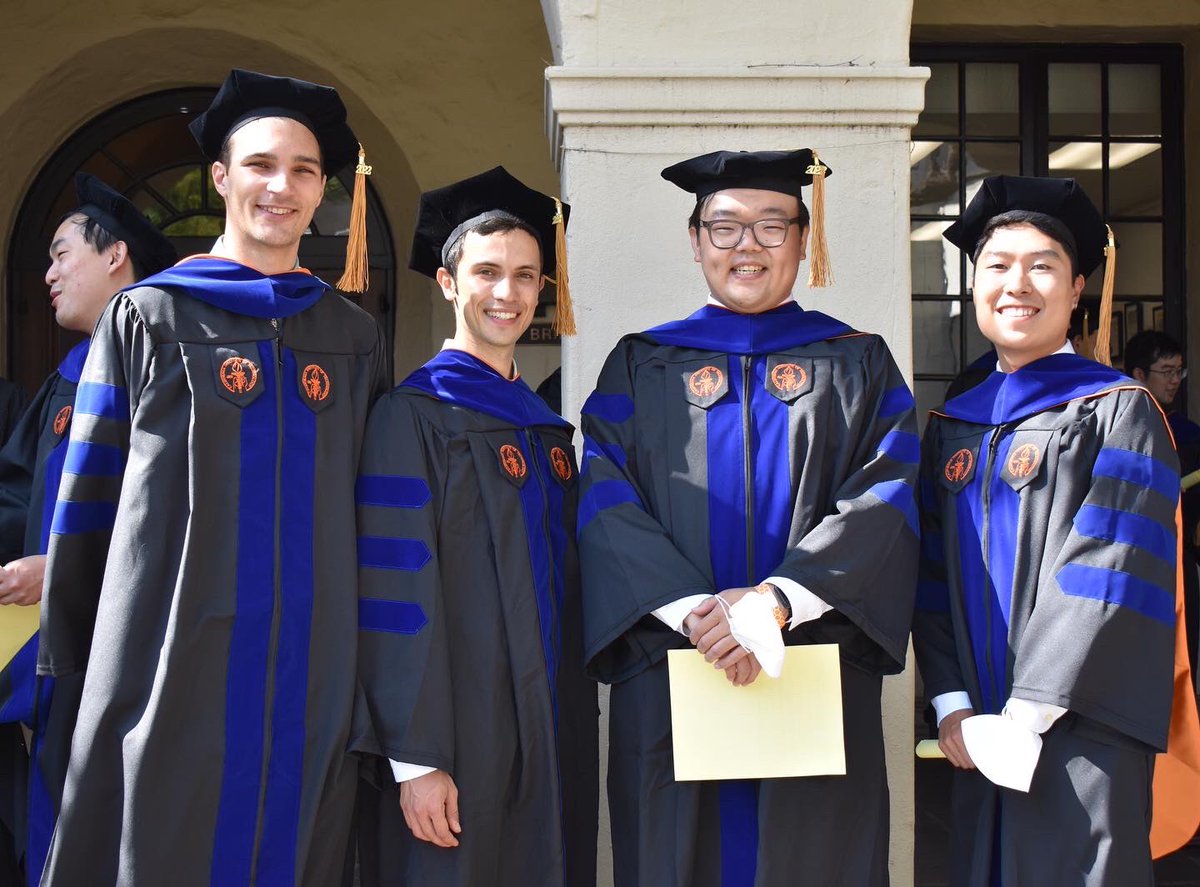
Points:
[(706, 381), (315, 381), (62, 419), (959, 466), (512, 460), (1024, 460), (788, 377), (239, 375), (561, 463)]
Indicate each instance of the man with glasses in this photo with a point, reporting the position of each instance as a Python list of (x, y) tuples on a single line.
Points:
[(748, 472), (1156, 360)]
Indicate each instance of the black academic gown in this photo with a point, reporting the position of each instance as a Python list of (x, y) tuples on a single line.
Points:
[(1048, 501), (719, 451), (31, 466), (470, 631), (201, 566)]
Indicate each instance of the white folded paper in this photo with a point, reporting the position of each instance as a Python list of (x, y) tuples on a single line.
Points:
[(1003, 750)]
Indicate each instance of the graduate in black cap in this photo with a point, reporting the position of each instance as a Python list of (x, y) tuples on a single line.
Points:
[(103, 245), (204, 536), (763, 455), (471, 660), (1046, 626)]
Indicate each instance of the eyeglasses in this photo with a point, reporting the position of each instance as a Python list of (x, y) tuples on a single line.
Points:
[(725, 234), (1171, 372)]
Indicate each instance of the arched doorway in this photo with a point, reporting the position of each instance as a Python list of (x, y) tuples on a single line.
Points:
[(144, 150)]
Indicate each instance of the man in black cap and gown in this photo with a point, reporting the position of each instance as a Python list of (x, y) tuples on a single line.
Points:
[(470, 647), (1046, 627), (102, 246), (766, 455), (202, 549)]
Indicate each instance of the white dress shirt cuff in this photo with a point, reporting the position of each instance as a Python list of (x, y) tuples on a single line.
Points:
[(404, 772), (944, 703), (806, 606), (675, 612)]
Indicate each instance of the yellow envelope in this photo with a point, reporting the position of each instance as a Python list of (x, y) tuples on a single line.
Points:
[(17, 625), (787, 726)]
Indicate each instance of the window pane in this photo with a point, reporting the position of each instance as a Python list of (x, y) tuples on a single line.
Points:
[(940, 117), (990, 159), (1075, 100), (934, 260), (992, 99), (936, 330), (1139, 259), (1134, 101), (934, 178), (977, 345), (1082, 161), (1135, 179)]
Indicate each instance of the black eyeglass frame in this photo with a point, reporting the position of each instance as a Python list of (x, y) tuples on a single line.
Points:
[(753, 226)]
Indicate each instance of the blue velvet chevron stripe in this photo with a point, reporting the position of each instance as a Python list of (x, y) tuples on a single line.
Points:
[(98, 460), (901, 446), (713, 328), (899, 495), (285, 768), (391, 491), (615, 408), (101, 399), (895, 401), (55, 460), (1122, 589), (601, 496), (1137, 468), (246, 683), (1128, 528), (397, 617), (385, 553), (82, 517), (592, 448)]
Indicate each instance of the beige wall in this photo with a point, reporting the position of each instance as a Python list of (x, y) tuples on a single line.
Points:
[(432, 100), (1099, 21)]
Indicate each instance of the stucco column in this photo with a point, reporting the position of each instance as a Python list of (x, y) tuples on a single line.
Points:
[(614, 127)]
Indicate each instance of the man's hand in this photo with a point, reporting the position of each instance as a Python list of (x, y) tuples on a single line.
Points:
[(21, 580), (950, 739), (430, 807), (708, 628)]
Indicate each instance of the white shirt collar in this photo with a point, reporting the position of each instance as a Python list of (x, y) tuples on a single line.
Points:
[(1066, 348)]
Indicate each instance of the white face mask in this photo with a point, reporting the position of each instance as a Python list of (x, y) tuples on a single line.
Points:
[(752, 624)]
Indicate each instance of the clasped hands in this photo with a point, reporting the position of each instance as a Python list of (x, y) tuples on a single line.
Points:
[(707, 627)]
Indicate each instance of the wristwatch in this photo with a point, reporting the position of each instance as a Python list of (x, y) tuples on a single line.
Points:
[(783, 607)]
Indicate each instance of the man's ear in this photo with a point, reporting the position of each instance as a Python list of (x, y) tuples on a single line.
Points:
[(804, 232), (446, 282), (1139, 375), (218, 175), (118, 256), (694, 233)]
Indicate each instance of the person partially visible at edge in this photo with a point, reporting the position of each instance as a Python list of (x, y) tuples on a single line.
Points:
[(1045, 629), (1156, 360), (102, 246), (749, 468), (204, 535), (471, 658)]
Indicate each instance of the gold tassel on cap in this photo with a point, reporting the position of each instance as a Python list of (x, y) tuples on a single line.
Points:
[(820, 272), (1085, 334), (1104, 327), (564, 316), (357, 273)]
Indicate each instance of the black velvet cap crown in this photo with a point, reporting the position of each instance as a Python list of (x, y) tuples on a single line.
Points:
[(445, 213), (246, 96), (782, 171), (124, 221), (1063, 199)]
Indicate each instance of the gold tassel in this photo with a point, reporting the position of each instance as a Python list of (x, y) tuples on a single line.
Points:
[(820, 272), (564, 316), (1104, 326), (358, 272)]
